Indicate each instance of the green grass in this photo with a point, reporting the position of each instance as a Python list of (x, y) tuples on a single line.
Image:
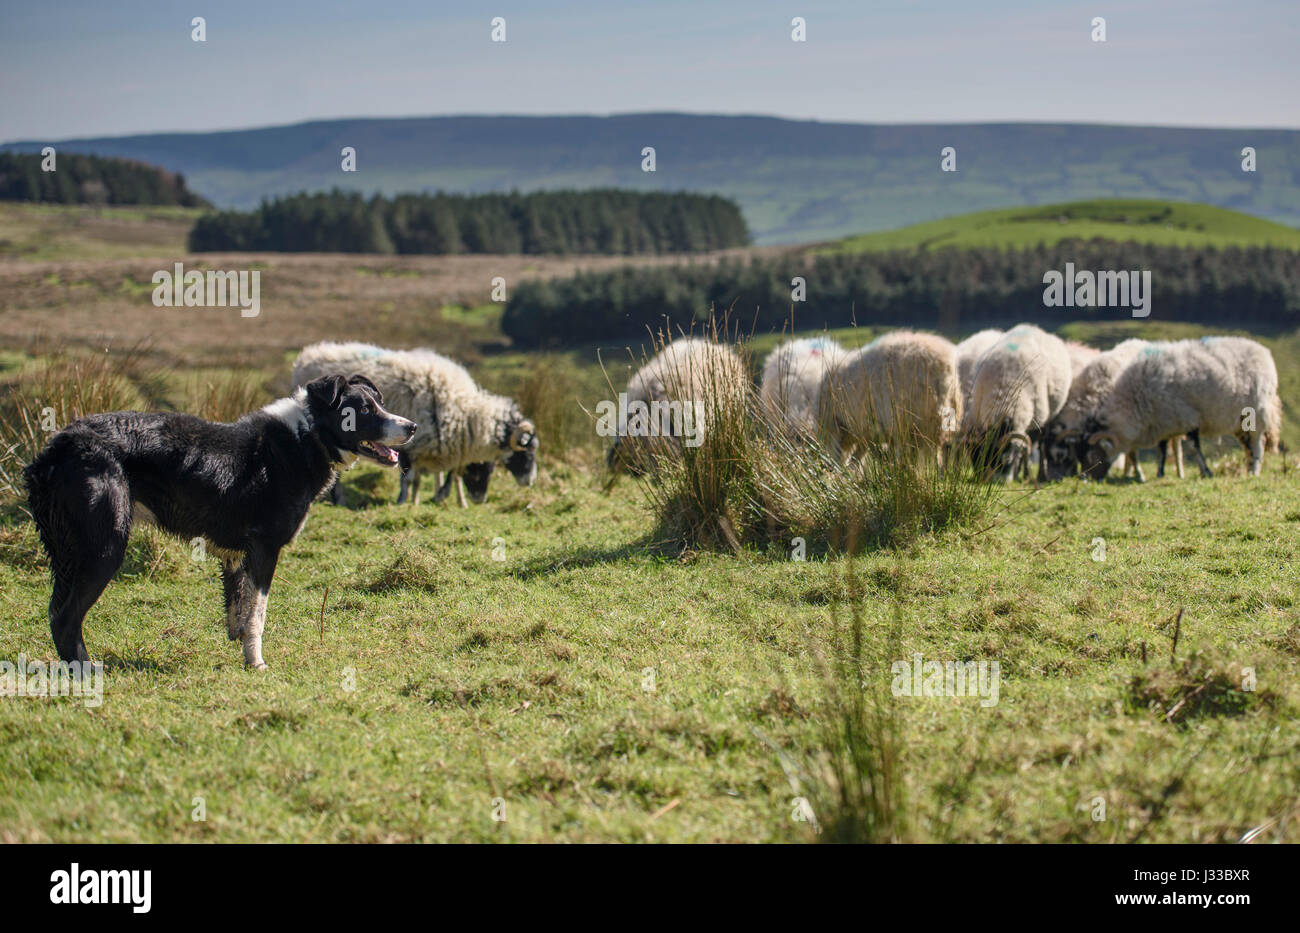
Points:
[(1166, 223), (44, 232), (525, 679)]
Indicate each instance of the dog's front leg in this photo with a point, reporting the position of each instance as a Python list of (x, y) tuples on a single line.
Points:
[(260, 568), (238, 590)]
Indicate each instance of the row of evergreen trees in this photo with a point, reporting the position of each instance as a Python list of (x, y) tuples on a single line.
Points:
[(950, 289), (88, 179), (609, 221)]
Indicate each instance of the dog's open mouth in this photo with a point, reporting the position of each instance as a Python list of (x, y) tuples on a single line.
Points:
[(379, 453)]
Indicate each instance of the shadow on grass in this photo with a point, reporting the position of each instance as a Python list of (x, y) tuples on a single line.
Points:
[(364, 491), (558, 561), (139, 663)]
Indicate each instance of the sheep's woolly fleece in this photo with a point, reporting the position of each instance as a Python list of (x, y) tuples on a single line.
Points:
[(459, 422), (792, 380), (900, 388)]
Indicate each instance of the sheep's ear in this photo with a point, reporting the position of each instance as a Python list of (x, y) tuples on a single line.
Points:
[(327, 390)]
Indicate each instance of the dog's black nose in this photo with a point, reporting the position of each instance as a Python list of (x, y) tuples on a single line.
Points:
[(410, 428)]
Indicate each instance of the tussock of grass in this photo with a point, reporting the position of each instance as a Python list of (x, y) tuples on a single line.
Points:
[(1200, 685), (412, 569), (750, 483)]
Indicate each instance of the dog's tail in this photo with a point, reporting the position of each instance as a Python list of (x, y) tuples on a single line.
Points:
[(38, 476)]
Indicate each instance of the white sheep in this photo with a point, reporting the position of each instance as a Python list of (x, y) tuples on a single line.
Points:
[(791, 383), (1080, 356), (1212, 386), (1021, 383), (1063, 437), (673, 398), (902, 390), (969, 352), (463, 429)]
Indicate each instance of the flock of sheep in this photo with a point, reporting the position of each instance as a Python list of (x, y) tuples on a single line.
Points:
[(1004, 396)]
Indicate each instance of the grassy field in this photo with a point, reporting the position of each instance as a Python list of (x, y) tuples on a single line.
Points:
[(544, 658), (1164, 223), (590, 683)]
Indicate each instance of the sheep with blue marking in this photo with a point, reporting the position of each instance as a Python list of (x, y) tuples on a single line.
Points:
[(1211, 387), (791, 384), (1021, 383)]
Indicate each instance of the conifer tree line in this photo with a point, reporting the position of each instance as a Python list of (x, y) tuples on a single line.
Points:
[(948, 289), (88, 179), (609, 221)]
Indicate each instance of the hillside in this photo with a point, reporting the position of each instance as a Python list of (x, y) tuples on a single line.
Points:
[(1162, 223), (851, 177)]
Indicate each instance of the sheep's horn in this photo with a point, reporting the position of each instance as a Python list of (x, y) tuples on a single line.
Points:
[(523, 435), (1014, 436), (1098, 436)]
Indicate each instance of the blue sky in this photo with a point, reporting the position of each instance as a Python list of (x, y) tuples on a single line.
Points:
[(75, 68)]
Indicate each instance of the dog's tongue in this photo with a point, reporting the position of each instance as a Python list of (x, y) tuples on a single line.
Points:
[(386, 452)]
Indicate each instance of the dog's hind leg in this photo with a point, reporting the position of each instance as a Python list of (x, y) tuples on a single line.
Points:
[(87, 535), (259, 565)]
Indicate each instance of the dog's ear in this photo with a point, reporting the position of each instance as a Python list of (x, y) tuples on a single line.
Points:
[(327, 390), (359, 380)]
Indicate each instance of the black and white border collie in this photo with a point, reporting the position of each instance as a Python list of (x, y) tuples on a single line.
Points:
[(244, 487)]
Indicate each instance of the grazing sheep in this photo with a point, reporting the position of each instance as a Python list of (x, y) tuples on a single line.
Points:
[(1021, 383), (1211, 386), (969, 352), (792, 380), (1080, 356), (901, 389), (672, 399), (1091, 384), (463, 429)]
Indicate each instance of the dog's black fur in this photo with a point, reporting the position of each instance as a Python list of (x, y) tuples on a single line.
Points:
[(244, 487)]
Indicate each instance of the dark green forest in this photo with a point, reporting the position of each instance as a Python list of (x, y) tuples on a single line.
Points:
[(951, 289), (609, 221), (88, 179)]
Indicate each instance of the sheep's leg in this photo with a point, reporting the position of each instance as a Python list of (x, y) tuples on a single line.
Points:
[(1178, 455), (1137, 467), (404, 482), (415, 486), (460, 491), (1256, 448), (1200, 457), (1164, 452), (445, 489)]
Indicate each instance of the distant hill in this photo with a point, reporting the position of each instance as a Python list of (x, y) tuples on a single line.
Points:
[(796, 181), (1163, 223)]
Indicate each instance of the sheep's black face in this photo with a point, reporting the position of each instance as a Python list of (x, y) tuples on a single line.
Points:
[(992, 456), (476, 476), (1096, 461), (1095, 458), (1060, 452), (521, 453), (349, 418)]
